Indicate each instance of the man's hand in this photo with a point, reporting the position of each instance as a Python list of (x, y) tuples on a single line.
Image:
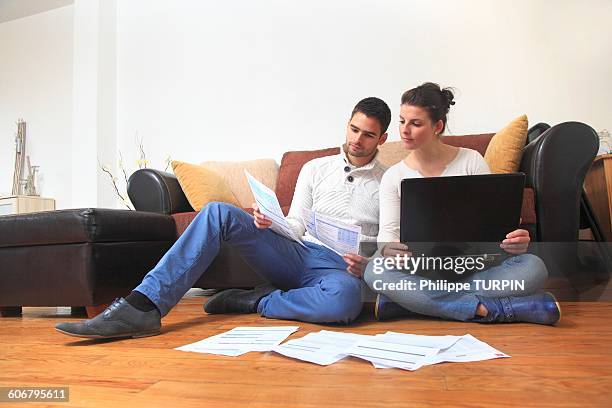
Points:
[(260, 220), (516, 242), (356, 264), (395, 248)]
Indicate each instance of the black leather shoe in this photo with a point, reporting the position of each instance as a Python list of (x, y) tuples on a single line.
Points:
[(386, 309), (118, 320), (237, 300)]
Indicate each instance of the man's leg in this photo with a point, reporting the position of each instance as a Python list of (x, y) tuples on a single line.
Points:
[(277, 258), (327, 294), (274, 257)]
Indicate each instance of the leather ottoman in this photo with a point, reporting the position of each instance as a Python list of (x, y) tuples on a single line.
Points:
[(80, 258)]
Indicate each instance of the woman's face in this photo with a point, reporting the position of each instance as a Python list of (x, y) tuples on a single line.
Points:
[(416, 128)]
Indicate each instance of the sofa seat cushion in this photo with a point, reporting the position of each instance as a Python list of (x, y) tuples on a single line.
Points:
[(182, 220), (85, 225)]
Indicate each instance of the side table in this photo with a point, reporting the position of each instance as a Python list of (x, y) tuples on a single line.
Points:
[(598, 186), (21, 204)]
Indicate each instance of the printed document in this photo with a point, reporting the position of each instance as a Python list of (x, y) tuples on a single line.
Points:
[(323, 348), (270, 207), (339, 236), (241, 340)]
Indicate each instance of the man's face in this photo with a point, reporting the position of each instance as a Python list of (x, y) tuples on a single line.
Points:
[(363, 135)]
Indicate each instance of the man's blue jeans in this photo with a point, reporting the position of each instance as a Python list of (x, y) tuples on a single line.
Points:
[(526, 268), (317, 287)]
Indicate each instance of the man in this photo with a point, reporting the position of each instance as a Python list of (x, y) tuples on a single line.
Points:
[(315, 283)]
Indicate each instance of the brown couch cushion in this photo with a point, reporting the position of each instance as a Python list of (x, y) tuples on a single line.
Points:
[(182, 221), (290, 167), (476, 142)]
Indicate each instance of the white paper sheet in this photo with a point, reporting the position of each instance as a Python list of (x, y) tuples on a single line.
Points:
[(468, 348), (323, 348), (337, 235), (386, 352), (270, 207), (241, 340), (439, 342), (464, 348)]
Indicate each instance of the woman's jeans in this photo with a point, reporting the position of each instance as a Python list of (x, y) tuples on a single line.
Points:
[(315, 284), (520, 275)]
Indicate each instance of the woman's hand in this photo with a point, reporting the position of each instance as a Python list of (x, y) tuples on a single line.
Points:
[(395, 248), (260, 220), (516, 242), (356, 264)]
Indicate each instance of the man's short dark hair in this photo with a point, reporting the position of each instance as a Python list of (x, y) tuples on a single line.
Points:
[(376, 108)]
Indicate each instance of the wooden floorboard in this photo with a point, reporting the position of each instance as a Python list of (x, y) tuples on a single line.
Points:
[(566, 365)]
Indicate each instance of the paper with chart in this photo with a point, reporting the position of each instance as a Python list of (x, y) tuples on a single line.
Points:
[(386, 352), (241, 340), (270, 207), (341, 237), (464, 348), (323, 348)]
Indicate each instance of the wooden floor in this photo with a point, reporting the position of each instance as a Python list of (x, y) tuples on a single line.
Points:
[(567, 365)]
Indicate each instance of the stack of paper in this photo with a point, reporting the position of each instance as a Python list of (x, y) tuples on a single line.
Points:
[(241, 340), (389, 350)]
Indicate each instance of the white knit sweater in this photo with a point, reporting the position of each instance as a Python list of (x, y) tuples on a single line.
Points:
[(467, 162), (332, 186)]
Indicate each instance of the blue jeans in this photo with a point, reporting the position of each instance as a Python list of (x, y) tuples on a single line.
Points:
[(318, 287), (440, 302)]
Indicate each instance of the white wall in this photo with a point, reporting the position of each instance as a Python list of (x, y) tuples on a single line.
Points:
[(36, 85), (242, 78), (201, 80)]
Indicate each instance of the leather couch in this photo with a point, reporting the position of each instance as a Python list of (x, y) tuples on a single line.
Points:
[(555, 162), (80, 258), (87, 257)]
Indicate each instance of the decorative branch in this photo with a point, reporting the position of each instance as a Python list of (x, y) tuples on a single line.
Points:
[(142, 161), (114, 181), (125, 177)]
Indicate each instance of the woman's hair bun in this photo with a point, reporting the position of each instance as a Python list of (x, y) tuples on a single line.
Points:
[(448, 95)]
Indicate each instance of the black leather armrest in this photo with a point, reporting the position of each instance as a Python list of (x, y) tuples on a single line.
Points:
[(157, 191), (556, 163)]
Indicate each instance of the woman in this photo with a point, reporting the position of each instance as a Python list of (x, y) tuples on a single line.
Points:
[(423, 116)]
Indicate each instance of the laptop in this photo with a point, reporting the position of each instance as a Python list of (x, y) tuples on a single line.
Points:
[(460, 215)]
